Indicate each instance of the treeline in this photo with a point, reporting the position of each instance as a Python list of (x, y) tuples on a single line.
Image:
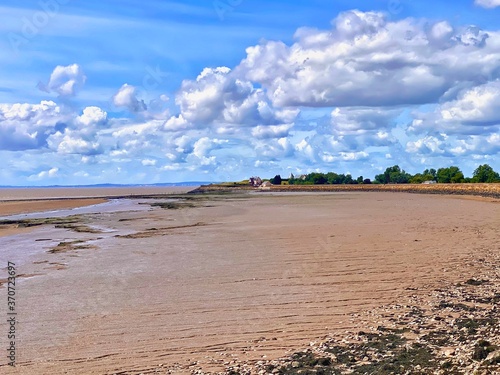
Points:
[(395, 175)]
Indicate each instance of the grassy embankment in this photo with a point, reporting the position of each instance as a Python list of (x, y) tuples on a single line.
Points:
[(485, 190)]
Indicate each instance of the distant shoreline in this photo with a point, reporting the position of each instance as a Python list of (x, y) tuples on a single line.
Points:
[(48, 193)]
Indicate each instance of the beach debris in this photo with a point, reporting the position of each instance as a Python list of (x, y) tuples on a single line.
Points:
[(153, 232), (66, 246)]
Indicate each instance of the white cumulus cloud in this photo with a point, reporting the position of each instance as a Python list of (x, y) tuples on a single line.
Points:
[(488, 3), (148, 162), (218, 96), (51, 173), (26, 126), (368, 60), (126, 97), (271, 131), (426, 145), (93, 116), (70, 143), (65, 80), (474, 110)]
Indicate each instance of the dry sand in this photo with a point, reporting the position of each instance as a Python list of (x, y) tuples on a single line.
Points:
[(235, 278)]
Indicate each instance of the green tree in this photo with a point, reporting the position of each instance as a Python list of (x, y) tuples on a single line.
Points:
[(417, 179), (276, 180), (340, 179), (348, 179), (427, 175), (393, 175), (484, 173), (432, 172), (391, 171), (316, 178), (400, 178), (450, 175), (380, 179), (332, 178)]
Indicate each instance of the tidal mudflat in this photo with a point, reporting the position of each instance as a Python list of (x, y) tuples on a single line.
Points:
[(231, 283)]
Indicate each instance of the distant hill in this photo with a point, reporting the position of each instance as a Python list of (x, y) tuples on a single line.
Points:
[(185, 183)]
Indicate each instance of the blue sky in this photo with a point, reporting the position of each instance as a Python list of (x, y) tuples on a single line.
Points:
[(164, 91)]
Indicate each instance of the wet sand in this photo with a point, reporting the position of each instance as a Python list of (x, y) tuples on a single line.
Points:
[(15, 201), (19, 207), (24, 207), (237, 278)]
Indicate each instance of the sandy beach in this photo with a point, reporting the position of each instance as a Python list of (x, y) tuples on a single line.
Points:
[(201, 284)]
